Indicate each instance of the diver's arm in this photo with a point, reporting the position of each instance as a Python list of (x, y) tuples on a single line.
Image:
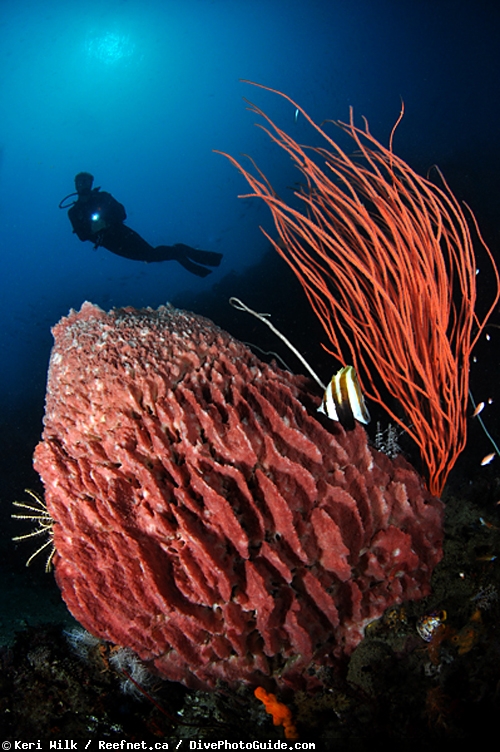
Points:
[(99, 213), (80, 223)]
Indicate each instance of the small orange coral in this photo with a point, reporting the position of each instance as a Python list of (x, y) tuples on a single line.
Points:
[(468, 635), (282, 716)]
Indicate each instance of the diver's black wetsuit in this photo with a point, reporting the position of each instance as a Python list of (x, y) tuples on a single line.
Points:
[(98, 217)]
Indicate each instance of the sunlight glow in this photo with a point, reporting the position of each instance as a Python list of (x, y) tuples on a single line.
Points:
[(110, 47)]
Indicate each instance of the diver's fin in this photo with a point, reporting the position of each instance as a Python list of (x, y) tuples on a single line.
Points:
[(209, 258), (200, 271)]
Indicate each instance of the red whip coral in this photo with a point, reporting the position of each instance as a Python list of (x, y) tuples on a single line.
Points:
[(387, 261), (204, 517)]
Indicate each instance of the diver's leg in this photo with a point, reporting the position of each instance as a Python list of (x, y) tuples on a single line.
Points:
[(125, 242), (173, 253), (210, 258)]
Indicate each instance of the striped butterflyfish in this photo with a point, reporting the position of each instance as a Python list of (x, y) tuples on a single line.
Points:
[(343, 400)]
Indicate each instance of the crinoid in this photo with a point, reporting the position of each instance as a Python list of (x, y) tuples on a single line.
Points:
[(44, 526)]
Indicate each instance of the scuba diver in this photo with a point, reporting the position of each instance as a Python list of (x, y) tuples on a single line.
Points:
[(98, 217)]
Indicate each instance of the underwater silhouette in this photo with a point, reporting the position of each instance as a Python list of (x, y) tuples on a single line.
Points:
[(98, 217)]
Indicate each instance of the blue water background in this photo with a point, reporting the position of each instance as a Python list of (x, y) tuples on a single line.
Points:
[(140, 93)]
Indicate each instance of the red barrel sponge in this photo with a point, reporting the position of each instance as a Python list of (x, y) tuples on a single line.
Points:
[(203, 515)]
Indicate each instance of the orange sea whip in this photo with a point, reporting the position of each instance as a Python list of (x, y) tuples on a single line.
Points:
[(387, 262), (281, 714)]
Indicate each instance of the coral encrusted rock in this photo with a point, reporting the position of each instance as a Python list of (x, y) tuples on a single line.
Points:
[(205, 518)]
